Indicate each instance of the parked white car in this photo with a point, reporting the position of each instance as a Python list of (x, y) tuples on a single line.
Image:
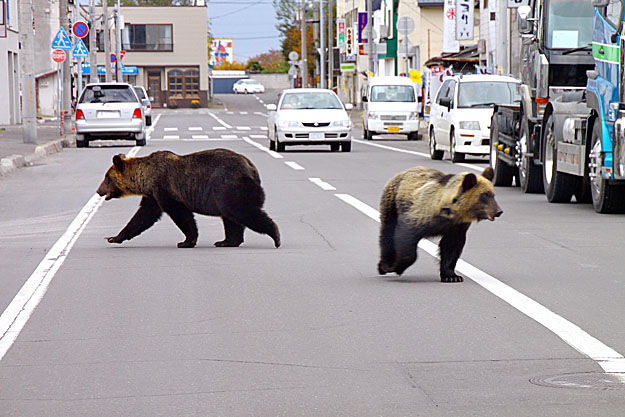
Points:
[(460, 115), (309, 116), (391, 105), (248, 86)]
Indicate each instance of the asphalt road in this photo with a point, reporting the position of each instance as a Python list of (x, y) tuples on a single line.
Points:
[(309, 329)]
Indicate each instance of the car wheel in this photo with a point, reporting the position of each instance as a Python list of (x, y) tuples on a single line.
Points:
[(455, 156), (413, 136), (334, 147), (141, 142), (272, 145), (346, 147), (148, 120), (434, 153), (82, 141)]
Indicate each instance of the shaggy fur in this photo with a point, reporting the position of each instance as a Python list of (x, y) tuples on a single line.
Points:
[(216, 182), (423, 202)]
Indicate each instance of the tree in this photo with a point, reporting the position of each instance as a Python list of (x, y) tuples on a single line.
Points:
[(286, 15), (254, 67)]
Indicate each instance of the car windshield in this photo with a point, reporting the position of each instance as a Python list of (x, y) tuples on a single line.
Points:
[(569, 24), (108, 94), (393, 93), (301, 101), (140, 93), (487, 93)]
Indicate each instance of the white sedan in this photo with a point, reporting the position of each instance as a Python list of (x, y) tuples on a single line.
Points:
[(248, 86), (309, 116)]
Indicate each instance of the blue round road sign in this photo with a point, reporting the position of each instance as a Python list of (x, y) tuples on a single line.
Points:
[(80, 29)]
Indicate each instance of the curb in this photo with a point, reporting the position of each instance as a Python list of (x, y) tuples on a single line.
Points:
[(12, 163)]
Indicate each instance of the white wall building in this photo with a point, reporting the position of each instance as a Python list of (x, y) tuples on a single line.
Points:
[(10, 74)]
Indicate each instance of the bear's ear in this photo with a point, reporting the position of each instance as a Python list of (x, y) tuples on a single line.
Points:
[(469, 181), (118, 161), (489, 174)]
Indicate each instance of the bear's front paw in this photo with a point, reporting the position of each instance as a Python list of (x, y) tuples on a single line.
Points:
[(227, 244), (452, 278), (113, 239), (186, 244)]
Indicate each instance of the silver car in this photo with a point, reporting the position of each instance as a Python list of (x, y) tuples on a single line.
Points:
[(109, 111), (147, 104)]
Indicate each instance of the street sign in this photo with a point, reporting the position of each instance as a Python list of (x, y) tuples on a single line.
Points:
[(122, 54), (58, 55), (293, 55), (350, 40), (113, 58), (61, 40), (464, 19), (340, 32), (405, 25), (80, 29), (348, 67), (80, 50)]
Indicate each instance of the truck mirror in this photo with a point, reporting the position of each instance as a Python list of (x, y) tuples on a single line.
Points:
[(600, 3), (364, 99), (525, 23)]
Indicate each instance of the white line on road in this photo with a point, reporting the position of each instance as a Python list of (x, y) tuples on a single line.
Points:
[(173, 136), (258, 136), (170, 129), (610, 360), (324, 185), (221, 122), (195, 128), (150, 130), (21, 308), (219, 128), (294, 165), (196, 140), (244, 128), (228, 136), (199, 136), (262, 148)]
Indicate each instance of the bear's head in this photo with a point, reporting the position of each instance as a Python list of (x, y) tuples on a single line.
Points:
[(474, 199), (116, 182)]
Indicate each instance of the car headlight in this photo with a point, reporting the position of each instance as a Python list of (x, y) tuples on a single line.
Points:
[(288, 123), (470, 125), (342, 123), (373, 115), (413, 115)]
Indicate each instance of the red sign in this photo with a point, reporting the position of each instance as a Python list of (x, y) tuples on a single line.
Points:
[(121, 54), (58, 55), (80, 29)]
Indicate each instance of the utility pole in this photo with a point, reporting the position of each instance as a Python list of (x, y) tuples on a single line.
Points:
[(330, 45), (118, 43), (304, 69), (79, 72), (370, 34), (322, 48), (107, 41), (64, 21), (27, 59), (93, 61)]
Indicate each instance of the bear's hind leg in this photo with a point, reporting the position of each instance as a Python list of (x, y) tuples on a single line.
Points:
[(405, 248), (234, 234), (450, 248), (257, 220), (183, 218), (387, 242)]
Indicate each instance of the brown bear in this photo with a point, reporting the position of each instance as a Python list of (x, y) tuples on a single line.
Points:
[(423, 202), (217, 182)]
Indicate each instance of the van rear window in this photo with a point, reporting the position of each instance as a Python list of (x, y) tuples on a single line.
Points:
[(392, 93), (108, 94)]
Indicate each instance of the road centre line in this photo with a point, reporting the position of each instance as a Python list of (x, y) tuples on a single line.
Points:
[(324, 185), (221, 122), (170, 129), (262, 148), (424, 155), (20, 309), (294, 165), (171, 137), (607, 358), (195, 128)]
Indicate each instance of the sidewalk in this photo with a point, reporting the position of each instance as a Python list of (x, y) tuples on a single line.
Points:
[(15, 154)]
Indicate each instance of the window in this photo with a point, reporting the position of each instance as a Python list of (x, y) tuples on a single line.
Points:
[(184, 83), (147, 38), (569, 24), (487, 93)]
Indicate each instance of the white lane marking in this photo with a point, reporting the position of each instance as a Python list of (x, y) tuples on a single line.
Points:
[(199, 136), (294, 165), (263, 148), (244, 128), (610, 360), (260, 113), (324, 185), (171, 129), (173, 136), (195, 128), (16, 315), (424, 155), (148, 133), (196, 140), (258, 136), (221, 122), (228, 136), (219, 128), (263, 128), (243, 112), (230, 112)]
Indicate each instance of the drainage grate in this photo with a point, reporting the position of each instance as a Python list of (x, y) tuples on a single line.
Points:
[(587, 380)]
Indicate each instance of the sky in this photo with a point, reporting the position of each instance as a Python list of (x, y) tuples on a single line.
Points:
[(252, 24)]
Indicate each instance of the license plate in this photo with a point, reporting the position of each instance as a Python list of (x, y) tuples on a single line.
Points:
[(392, 129), (108, 115), (316, 136)]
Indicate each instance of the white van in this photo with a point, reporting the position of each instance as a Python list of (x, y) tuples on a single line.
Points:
[(391, 105)]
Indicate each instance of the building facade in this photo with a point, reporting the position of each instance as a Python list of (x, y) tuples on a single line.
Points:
[(10, 111)]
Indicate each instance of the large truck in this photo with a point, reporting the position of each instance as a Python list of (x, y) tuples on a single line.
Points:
[(565, 137)]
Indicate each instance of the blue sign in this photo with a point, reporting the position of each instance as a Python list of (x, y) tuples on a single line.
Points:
[(61, 40), (132, 70), (80, 50)]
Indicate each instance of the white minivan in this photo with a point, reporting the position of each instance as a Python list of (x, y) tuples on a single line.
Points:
[(391, 105)]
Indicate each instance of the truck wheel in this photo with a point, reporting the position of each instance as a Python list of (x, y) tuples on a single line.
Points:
[(529, 174), (606, 198), (559, 186), (503, 172), (455, 156), (434, 153)]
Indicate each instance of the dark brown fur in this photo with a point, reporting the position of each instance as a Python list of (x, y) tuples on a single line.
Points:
[(423, 202), (216, 182)]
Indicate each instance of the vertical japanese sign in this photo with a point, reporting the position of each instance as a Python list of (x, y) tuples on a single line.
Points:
[(340, 32), (349, 42), (464, 20), (362, 23), (450, 43)]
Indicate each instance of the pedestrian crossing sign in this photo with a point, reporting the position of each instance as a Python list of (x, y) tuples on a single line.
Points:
[(61, 40), (80, 50)]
